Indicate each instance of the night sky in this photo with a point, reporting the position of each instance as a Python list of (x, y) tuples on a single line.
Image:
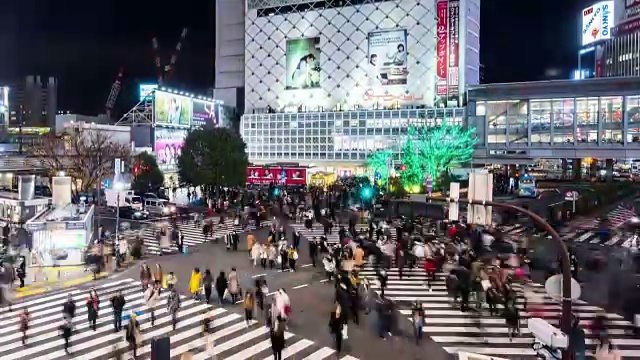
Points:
[(83, 43)]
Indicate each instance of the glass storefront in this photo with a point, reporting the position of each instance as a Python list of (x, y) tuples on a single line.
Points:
[(578, 121)]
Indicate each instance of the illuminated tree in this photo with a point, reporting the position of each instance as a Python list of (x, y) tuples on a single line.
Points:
[(442, 147), (414, 169), (379, 162)]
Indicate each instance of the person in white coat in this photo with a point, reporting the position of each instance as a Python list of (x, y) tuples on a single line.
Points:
[(255, 253), (152, 297)]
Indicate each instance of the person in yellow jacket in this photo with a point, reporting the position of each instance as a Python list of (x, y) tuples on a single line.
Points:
[(194, 283), (251, 240)]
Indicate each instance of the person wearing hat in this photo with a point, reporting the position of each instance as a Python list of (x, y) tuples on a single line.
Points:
[(133, 336)]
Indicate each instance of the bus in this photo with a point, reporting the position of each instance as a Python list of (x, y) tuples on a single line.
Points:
[(527, 187)]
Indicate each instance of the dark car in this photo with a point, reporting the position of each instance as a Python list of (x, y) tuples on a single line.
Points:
[(127, 212)]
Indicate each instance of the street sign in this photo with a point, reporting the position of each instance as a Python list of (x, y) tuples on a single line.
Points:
[(571, 195), (117, 166), (106, 184), (480, 189), (553, 286), (429, 184), (454, 193)]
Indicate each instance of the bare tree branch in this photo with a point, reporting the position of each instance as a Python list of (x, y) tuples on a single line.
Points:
[(86, 156)]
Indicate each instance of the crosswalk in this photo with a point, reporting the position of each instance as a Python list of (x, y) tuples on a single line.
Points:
[(617, 218), (317, 231), (232, 337), (480, 333), (193, 235)]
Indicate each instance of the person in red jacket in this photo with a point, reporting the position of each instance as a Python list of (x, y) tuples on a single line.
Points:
[(452, 231), (430, 269)]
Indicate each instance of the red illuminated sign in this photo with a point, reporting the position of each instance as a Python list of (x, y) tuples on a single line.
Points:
[(276, 175), (588, 11), (441, 44)]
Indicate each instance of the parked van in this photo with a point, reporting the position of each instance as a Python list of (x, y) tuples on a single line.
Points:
[(159, 207), (134, 201)]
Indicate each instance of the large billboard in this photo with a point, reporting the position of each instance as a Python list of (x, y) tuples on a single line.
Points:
[(303, 63), (597, 22), (205, 114), (168, 145), (172, 109), (146, 89), (387, 55)]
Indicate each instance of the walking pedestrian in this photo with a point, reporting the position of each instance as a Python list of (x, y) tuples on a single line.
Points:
[(249, 305), (133, 336), (194, 283), (207, 284), (418, 316), (173, 305), (65, 331), (221, 286), (117, 303), (234, 285), (277, 338), (93, 306), (336, 327), (152, 297), (24, 324)]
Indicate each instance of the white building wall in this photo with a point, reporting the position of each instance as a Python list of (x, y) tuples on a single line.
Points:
[(229, 52)]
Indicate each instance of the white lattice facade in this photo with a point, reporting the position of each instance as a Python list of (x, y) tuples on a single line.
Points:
[(342, 35)]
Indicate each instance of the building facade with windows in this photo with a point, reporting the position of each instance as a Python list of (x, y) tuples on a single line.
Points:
[(335, 139), (595, 118), (329, 81)]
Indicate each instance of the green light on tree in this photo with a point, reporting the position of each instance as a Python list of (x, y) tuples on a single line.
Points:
[(379, 162), (443, 147), (428, 150)]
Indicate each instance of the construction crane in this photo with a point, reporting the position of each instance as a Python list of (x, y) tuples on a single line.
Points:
[(166, 72), (115, 91)]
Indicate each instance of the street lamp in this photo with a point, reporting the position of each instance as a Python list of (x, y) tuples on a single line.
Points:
[(118, 186)]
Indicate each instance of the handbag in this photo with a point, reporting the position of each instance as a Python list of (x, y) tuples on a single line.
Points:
[(345, 336)]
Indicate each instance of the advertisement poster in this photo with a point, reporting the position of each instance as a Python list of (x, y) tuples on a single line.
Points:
[(454, 47), (146, 89), (442, 9), (204, 114), (276, 175), (168, 145), (303, 63), (597, 22), (387, 57), (172, 109)]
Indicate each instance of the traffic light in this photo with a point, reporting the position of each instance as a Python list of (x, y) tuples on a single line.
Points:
[(366, 193), (276, 191)]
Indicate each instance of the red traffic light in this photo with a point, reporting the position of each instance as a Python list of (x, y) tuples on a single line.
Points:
[(403, 167)]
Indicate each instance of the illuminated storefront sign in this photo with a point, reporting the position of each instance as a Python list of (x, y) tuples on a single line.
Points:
[(597, 22), (441, 47)]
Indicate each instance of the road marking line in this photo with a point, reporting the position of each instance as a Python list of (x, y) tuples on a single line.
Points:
[(258, 275), (300, 286)]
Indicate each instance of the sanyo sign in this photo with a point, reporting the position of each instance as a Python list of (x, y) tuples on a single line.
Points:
[(597, 22)]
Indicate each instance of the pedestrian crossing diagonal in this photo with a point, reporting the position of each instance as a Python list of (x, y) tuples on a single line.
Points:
[(318, 231), (617, 218), (193, 234), (232, 337), (479, 332)]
